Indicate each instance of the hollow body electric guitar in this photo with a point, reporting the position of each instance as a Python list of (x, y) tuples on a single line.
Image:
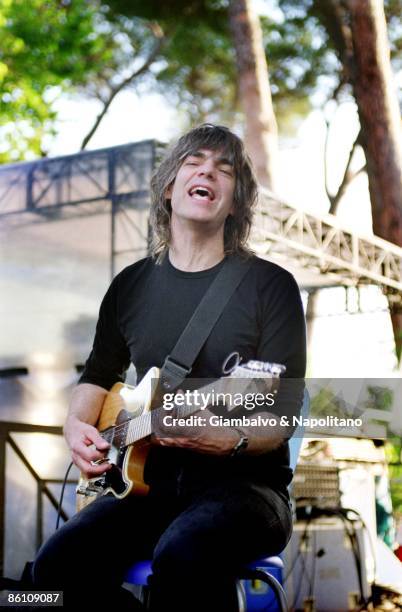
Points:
[(129, 416)]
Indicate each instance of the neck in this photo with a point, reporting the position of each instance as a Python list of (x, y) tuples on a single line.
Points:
[(193, 251)]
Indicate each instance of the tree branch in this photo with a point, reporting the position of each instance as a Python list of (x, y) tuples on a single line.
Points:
[(329, 195), (160, 41), (348, 176)]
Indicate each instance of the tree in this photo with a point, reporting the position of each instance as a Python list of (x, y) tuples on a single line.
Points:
[(375, 93), (195, 71), (198, 69), (183, 49), (380, 120), (357, 31), (208, 83), (44, 48), (48, 47), (110, 84), (261, 134), (331, 20)]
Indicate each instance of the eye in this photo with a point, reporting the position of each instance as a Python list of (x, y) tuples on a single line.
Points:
[(228, 171)]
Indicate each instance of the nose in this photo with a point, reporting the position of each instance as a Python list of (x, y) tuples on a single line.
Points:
[(207, 169)]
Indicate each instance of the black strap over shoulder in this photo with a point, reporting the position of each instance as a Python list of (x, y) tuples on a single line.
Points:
[(179, 363)]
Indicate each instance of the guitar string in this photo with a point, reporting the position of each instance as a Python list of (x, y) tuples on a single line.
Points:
[(141, 427), (138, 427)]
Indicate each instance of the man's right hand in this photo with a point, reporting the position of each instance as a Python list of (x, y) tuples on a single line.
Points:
[(86, 445)]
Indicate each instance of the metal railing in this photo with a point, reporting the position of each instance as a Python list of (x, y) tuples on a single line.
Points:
[(6, 430)]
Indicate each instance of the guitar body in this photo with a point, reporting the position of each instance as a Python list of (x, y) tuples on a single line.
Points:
[(125, 422), (126, 476)]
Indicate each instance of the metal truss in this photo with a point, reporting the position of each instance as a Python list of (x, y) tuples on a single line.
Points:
[(92, 182), (121, 173), (117, 179), (322, 245)]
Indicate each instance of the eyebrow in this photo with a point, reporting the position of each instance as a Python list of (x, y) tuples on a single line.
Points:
[(221, 160)]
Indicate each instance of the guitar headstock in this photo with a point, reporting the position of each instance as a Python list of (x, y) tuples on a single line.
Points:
[(252, 368), (251, 377)]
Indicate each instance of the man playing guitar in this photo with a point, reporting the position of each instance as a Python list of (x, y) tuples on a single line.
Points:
[(217, 496)]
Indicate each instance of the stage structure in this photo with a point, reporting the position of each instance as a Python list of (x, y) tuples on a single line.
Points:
[(117, 179), (69, 224), (113, 180), (321, 245)]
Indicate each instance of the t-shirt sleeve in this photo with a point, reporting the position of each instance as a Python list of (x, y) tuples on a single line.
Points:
[(283, 341), (283, 329), (110, 356)]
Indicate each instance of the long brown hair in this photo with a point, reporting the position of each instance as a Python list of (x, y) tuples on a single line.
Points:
[(212, 138)]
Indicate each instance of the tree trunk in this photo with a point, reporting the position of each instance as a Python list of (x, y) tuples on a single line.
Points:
[(358, 30), (380, 120), (311, 311), (396, 319), (374, 90), (261, 135)]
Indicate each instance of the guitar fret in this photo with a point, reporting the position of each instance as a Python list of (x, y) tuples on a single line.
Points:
[(138, 428), (108, 436)]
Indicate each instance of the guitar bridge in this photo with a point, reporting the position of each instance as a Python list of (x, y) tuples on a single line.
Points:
[(91, 488)]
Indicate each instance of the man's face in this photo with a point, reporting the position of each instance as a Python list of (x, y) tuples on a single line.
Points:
[(203, 189)]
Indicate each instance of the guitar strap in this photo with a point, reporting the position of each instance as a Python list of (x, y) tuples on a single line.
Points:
[(179, 363)]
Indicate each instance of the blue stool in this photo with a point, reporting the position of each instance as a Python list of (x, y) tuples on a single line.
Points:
[(261, 586), (268, 571)]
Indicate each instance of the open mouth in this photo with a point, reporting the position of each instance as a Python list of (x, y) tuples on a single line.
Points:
[(202, 193)]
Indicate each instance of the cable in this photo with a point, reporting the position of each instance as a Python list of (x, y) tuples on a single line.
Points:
[(346, 510), (354, 544), (302, 538), (62, 495), (299, 586), (370, 539), (313, 568)]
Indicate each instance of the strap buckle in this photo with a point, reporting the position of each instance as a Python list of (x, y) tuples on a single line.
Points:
[(173, 374)]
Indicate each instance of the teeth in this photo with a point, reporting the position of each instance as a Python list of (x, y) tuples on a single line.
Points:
[(201, 192)]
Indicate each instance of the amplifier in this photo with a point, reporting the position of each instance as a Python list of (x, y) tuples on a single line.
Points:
[(322, 565)]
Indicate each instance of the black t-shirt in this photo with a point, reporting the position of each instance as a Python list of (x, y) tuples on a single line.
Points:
[(141, 317)]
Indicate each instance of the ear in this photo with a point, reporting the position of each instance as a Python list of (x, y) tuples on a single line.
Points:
[(168, 192)]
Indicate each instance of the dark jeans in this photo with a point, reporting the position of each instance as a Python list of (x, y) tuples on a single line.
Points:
[(198, 544)]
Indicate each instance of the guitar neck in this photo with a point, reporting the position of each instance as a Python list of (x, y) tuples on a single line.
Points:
[(144, 425), (220, 392)]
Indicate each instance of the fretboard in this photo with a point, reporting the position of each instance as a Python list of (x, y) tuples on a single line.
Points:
[(142, 426)]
